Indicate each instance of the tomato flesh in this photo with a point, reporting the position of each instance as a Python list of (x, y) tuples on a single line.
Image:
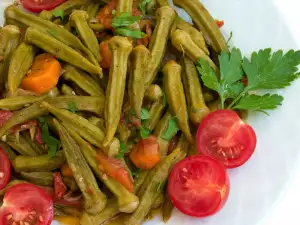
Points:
[(60, 188), (40, 5), (225, 137), (26, 203), (198, 186), (4, 169)]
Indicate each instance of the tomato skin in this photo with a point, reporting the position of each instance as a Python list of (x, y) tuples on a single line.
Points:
[(199, 186), (27, 202), (225, 137), (5, 169), (40, 5), (60, 188)]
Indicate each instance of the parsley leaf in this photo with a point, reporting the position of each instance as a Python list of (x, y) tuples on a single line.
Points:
[(143, 4), (52, 143), (171, 130), (271, 71), (123, 151), (127, 32), (59, 13), (231, 72), (258, 103), (114, 12), (72, 107), (124, 20), (145, 114), (52, 32), (144, 132)]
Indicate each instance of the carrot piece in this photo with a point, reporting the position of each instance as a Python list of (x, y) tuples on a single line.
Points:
[(145, 155), (44, 74), (116, 170), (106, 54), (66, 171)]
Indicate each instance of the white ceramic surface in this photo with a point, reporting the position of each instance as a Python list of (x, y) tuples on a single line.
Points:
[(258, 188)]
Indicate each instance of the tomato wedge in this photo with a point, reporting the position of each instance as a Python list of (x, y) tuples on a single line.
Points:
[(4, 169), (40, 5), (60, 188), (198, 186), (225, 137), (26, 204)]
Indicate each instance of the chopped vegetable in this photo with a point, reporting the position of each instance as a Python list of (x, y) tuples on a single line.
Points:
[(4, 169), (60, 188), (59, 13), (171, 130)]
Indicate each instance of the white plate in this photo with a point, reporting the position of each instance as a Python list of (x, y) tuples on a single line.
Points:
[(258, 187)]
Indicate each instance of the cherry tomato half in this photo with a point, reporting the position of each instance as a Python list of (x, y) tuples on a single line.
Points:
[(4, 169), (27, 203), (40, 5), (198, 186), (225, 137)]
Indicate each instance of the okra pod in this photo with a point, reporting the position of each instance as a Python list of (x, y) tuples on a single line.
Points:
[(61, 34), (158, 44), (140, 57), (124, 6), (95, 200), (18, 102), (156, 111), (60, 50), (67, 90), (167, 208), (83, 80), (107, 214), (195, 34), (120, 48), (124, 132), (38, 148), (92, 10), (66, 7), (159, 131), (127, 201), (138, 182), (176, 98), (20, 144), (9, 41), (183, 42), (41, 163), (159, 201), (19, 66), (98, 122), (154, 92), (98, 27), (205, 22), (196, 105), (8, 150), (162, 3), (79, 20), (153, 186)]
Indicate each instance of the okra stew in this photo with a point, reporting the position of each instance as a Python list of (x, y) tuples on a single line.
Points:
[(114, 109)]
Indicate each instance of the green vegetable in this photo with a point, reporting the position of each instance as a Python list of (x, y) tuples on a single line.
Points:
[(265, 70), (171, 130), (72, 107), (52, 32), (123, 151), (125, 20), (143, 4), (145, 132), (58, 13), (127, 32), (52, 143), (145, 114)]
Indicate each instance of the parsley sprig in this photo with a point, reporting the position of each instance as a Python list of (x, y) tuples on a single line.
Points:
[(143, 4), (123, 23), (264, 71)]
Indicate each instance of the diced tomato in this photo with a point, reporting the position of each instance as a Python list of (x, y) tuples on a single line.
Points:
[(145, 155), (220, 23), (115, 169), (60, 188), (225, 137), (26, 203), (4, 116), (5, 170), (40, 5), (106, 55), (198, 186)]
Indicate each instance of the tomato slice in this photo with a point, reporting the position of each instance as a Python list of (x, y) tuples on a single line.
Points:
[(4, 169), (198, 186), (26, 204), (225, 137), (60, 188), (40, 5)]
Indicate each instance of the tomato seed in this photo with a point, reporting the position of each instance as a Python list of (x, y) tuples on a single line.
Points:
[(9, 217), (41, 219), (1, 174), (26, 223)]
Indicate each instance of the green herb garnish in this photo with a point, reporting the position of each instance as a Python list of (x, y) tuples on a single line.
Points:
[(144, 132), (127, 32), (123, 151), (52, 32), (143, 4), (59, 13), (72, 107), (145, 114), (171, 130)]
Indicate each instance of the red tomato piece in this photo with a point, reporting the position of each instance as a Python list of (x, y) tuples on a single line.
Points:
[(115, 169), (198, 186), (60, 188), (40, 5), (4, 169), (26, 203), (220, 23), (4, 116), (225, 137)]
